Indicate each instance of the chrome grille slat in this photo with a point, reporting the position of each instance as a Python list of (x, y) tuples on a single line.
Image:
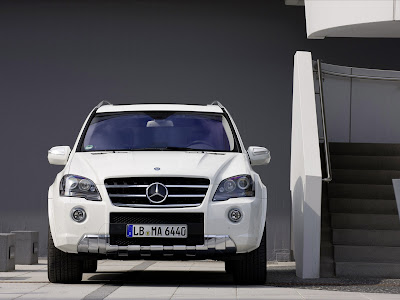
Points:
[(170, 196), (167, 185), (126, 186), (158, 205), (187, 196), (127, 195), (187, 186), (182, 191)]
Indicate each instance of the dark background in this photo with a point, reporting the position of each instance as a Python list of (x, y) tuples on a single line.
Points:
[(58, 59)]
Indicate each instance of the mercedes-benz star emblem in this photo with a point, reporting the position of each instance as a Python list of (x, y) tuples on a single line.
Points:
[(156, 192)]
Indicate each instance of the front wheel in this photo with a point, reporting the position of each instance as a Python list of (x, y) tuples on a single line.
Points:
[(252, 267), (62, 267), (229, 266)]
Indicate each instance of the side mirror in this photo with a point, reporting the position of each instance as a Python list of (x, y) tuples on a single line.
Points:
[(58, 155), (259, 155)]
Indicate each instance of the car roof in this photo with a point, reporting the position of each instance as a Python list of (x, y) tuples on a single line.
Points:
[(159, 107)]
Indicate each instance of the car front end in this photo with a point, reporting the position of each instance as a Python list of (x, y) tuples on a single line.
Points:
[(217, 223), (161, 182)]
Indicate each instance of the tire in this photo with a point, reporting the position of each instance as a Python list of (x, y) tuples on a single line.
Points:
[(90, 266), (252, 267), (229, 266), (63, 267)]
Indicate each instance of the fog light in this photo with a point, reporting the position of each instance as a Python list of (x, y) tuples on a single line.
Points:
[(78, 214), (235, 215)]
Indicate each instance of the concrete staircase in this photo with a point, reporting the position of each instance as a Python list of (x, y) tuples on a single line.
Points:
[(360, 227)]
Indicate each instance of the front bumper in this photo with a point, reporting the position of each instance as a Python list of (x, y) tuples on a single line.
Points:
[(93, 235), (213, 245)]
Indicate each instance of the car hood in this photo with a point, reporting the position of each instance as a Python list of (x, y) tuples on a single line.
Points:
[(98, 166)]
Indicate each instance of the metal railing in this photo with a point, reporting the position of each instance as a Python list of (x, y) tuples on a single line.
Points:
[(324, 139), (366, 77), (324, 131)]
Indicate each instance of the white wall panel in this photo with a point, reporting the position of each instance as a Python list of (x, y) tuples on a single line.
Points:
[(397, 10), (375, 108), (351, 18), (361, 110)]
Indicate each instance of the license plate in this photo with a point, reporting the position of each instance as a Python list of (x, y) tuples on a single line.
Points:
[(156, 231)]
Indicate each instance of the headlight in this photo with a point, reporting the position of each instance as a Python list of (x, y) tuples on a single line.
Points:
[(234, 187), (78, 186)]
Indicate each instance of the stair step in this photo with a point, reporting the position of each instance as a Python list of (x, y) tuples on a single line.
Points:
[(360, 206), (365, 149), (365, 221), (360, 237), (365, 269), (364, 176), (365, 162), (360, 191), (365, 237), (377, 254)]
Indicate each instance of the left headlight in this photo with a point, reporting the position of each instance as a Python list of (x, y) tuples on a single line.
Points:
[(235, 187), (78, 186)]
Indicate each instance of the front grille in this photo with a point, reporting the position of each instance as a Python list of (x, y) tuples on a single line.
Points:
[(194, 221), (182, 191)]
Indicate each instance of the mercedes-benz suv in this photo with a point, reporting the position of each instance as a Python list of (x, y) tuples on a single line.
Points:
[(159, 182)]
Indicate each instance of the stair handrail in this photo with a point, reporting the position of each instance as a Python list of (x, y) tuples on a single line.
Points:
[(324, 131), (366, 77)]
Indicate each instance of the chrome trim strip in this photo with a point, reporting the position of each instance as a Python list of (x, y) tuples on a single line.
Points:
[(127, 195), (145, 186), (132, 248), (110, 249), (187, 186), (187, 196), (157, 206), (91, 243), (126, 186), (143, 196)]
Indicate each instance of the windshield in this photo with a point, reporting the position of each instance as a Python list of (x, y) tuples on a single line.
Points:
[(165, 130)]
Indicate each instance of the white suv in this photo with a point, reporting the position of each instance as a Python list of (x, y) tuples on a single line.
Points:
[(159, 182)]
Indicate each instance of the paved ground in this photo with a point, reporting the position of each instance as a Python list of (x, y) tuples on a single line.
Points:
[(186, 280)]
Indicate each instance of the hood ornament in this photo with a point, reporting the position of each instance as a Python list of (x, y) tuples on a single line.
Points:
[(156, 192), (157, 169)]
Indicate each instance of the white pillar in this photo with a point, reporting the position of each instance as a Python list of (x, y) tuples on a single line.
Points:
[(305, 177)]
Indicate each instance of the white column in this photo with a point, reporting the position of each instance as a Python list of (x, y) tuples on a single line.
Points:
[(305, 177)]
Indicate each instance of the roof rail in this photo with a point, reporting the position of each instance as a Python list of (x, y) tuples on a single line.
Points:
[(102, 103), (218, 103)]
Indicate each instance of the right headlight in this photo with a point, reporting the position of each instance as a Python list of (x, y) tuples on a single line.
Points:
[(78, 186), (235, 187)]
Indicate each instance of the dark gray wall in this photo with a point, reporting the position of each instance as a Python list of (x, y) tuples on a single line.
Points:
[(60, 58)]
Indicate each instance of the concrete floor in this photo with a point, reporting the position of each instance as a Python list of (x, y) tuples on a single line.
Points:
[(182, 280)]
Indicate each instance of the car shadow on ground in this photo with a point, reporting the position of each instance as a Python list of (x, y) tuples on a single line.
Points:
[(285, 278), (164, 277)]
